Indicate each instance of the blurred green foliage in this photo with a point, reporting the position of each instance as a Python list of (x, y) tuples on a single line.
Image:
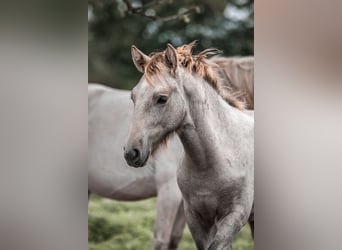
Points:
[(116, 225), (225, 24)]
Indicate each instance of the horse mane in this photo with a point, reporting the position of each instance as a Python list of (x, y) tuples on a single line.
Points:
[(198, 64)]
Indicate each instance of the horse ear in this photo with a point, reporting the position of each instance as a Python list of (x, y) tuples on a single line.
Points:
[(171, 57), (139, 59)]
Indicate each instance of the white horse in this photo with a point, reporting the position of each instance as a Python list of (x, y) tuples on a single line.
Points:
[(181, 93), (109, 176)]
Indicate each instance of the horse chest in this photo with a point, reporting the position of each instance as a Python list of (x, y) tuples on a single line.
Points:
[(204, 204), (208, 196)]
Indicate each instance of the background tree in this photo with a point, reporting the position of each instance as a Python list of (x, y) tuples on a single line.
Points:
[(114, 25)]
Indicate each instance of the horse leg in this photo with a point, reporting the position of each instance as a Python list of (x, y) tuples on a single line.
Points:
[(197, 231), (178, 227), (227, 229), (168, 203)]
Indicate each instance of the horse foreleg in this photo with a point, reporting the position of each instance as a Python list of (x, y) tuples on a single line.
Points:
[(227, 229), (178, 227), (198, 233), (167, 231)]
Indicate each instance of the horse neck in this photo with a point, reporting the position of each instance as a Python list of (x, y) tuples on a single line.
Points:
[(207, 125)]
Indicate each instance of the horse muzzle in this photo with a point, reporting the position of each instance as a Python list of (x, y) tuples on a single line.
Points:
[(135, 158)]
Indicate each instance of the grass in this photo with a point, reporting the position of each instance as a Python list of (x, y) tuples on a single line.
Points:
[(116, 225)]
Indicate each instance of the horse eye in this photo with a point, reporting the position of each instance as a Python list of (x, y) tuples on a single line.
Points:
[(162, 99)]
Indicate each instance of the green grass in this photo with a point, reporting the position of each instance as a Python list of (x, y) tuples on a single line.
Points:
[(116, 225)]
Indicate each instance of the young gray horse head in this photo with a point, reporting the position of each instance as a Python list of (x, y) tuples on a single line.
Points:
[(158, 106), (159, 97)]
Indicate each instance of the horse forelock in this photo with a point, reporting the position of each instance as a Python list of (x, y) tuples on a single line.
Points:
[(153, 67), (198, 64)]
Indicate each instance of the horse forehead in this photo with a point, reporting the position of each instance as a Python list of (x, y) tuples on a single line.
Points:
[(141, 86), (144, 89)]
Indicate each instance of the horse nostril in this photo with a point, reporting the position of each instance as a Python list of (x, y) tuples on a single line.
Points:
[(132, 155), (135, 154)]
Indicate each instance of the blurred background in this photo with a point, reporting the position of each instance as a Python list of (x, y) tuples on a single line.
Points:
[(115, 25), (44, 118)]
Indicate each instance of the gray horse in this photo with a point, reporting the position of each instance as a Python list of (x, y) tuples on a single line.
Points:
[(109, 176), (181, 93)]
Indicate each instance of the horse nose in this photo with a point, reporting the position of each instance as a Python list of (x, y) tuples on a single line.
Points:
[(132, 155)]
